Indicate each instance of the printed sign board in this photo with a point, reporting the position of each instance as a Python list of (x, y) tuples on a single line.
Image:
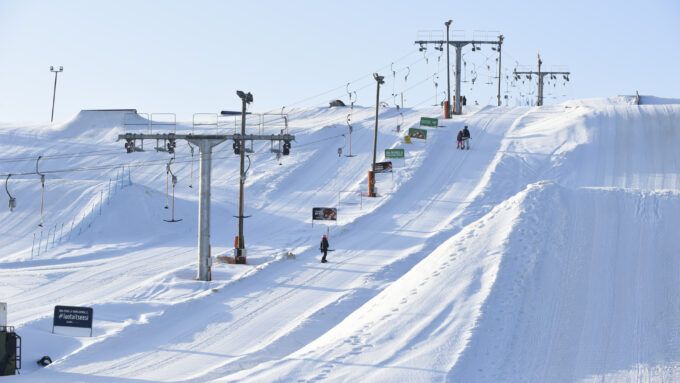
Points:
[(71, 316), (383, 167), (394, 153), (426, 121), (324, 213), (407, 139), (417, 133)]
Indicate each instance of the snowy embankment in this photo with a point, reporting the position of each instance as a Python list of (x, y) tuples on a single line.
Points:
[(545, 253)]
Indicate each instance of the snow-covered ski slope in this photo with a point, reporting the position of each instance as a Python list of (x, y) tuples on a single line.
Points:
[(546, 253)]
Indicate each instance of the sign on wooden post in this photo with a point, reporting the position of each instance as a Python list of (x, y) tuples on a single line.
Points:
[(427, 121), (417, 133), (394, 153), (71, 316), (324, 214)]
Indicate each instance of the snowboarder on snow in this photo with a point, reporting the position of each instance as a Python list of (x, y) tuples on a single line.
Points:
[(466, 138), (460, 140), (324, 248)]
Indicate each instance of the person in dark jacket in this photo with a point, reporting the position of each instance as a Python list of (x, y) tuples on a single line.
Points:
[(460, 140), (466, 138), (324, 248)]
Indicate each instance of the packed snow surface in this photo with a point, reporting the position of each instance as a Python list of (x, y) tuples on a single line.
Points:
[(548, 252)]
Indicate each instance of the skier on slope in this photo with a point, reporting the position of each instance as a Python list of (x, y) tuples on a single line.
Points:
[(324, 248), (460, 140), (466, 138)]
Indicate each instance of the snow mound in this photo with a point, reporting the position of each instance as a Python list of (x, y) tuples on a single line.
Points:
[(653, 100), (553, 284), (101, 125)]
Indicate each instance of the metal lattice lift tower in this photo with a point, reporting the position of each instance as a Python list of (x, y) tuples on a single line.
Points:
[(540, 76), (205, 143), (459, 44)]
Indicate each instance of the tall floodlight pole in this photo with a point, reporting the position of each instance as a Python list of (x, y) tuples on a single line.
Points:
[(500, 42), (240, 256), (448, 70), (457, 109), (379, 80), (371, 173), (54, 93)]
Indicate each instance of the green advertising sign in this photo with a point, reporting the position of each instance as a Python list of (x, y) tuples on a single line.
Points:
[(426, 121), (418, 133), (394, 153)]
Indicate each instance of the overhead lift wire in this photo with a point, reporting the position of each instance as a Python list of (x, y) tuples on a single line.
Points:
[(339, 118), (360, 78), (62, 156)]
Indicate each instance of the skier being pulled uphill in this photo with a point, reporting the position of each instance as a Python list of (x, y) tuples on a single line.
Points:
[(459, 138), (466, 138), (324, 248)]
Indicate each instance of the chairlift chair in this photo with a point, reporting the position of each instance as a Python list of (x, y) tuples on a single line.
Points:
[(191, 178), (42, 192), (12, 200), (160, 148), (174, 182), (343, 145), (350, 129), (249, 149), (167, 180)]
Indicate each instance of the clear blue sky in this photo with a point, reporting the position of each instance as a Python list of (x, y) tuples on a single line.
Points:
[(191, 56)]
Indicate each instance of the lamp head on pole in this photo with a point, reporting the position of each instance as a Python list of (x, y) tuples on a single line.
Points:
[(247, 97), (379, 79), (448, 23)]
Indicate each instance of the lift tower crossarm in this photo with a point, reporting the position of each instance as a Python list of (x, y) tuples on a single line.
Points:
[(540, 76), (205, 143), (459, 44), (168, 136)]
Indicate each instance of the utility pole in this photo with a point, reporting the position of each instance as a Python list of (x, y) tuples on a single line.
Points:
[(240, 253), (205, 143), (54, 93), (500, 42), (459, 46), (448, 70), (371, 175), (540, 75)]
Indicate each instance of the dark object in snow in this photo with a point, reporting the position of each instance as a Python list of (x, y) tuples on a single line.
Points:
[(336, 103), (45, 361)]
